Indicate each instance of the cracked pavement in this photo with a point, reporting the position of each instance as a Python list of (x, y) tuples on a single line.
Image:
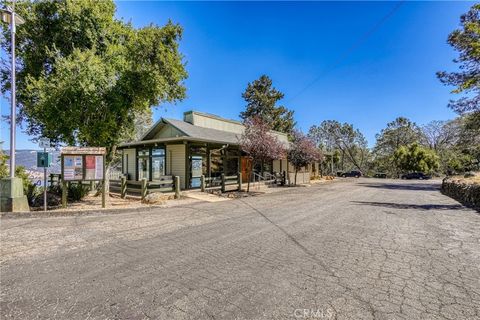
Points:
[(353, 249)]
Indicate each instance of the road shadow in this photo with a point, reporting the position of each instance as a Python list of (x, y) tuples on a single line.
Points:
[(393, 205), (403, 186)]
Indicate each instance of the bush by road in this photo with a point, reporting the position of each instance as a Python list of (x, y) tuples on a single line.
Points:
[(465, 190)]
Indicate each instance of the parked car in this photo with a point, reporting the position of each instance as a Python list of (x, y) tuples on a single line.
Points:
[(353, 173), (380, 175), (415, 175)]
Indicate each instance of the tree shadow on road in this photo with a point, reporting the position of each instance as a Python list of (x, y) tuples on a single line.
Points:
[(403, 186), (412, 206)]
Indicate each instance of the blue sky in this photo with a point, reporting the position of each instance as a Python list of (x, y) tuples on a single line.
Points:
[(317, 53)]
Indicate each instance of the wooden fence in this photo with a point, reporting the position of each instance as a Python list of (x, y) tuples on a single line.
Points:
[(143, 187), (55, 179), (223, 182)]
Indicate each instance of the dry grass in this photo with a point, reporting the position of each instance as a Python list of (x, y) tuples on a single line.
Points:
[(469, 180)]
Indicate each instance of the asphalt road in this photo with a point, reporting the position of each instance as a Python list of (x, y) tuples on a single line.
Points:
[(356, 249)]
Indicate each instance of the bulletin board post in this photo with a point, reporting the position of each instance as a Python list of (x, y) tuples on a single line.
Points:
[(82, 164), (104, 187)]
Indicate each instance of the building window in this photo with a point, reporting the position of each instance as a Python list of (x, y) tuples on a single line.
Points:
[(263, 167), (158, 163), (143, 168), (143, 163), (216, 163), (143, 152), (198, 164)]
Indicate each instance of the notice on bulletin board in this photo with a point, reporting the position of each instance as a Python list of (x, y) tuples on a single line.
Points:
[(73, 168), (93, 167), (89, 167), (99, 167)]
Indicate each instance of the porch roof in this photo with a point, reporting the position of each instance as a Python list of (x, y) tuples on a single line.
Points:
[(188, 132), (173, 140)]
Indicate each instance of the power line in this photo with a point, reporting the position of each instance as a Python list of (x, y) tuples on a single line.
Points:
[(351, 49)]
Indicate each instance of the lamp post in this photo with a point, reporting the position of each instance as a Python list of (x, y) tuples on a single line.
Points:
[(11, 189), (9, 16)]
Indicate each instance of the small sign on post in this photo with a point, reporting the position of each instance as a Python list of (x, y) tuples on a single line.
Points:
[(44, 160), (44, 143)]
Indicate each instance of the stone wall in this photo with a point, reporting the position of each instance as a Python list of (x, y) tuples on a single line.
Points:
[(464, 190)]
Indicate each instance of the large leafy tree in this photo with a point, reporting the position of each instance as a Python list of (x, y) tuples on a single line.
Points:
[(415, 158), (400, 132), (259, 144), (468, 145), (262, 98), (84, 76), (443, 137), (466, 41), (440, 135), (302, 152), (348, 141), (143, 122)]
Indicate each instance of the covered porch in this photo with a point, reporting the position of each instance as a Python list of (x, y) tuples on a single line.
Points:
[(187, 159)]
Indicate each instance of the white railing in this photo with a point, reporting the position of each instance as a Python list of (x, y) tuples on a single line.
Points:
[(268, 179), (115, 174)]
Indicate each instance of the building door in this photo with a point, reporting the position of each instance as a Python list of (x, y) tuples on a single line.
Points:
[(197, 165), (143, 168), (197, 170), (245, 164)]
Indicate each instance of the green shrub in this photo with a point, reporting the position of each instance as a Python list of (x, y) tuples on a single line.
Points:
[(32, 192), (77, 191), (55, 189), (466, 191), (3, 164), (30, 189), (20, 172)]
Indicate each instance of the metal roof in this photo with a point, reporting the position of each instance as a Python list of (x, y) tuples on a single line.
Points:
[(204, 133), (190, 133)]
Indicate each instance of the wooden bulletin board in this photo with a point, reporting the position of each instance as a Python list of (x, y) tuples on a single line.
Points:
[(82, 164)]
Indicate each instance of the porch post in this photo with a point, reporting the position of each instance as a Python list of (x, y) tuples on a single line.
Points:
[(177, 187), (202, 183), (188, 170), (223, 182), (123, 187), (144, 188)]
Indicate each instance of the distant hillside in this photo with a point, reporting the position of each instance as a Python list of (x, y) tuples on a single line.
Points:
[(28, 159)]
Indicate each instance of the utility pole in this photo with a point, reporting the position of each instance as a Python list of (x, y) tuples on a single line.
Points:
[(13, 112), (11, 195), (9, 16)]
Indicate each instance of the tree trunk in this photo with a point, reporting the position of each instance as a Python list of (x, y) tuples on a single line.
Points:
[(296, 170), (249, 170), (109, 158), (107, 179)]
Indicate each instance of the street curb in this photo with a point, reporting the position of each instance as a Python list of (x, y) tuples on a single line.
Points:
[(91, 212), (70, 213)]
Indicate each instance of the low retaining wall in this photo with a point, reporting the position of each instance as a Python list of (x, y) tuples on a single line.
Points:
[(462, 190), (302, 177)]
